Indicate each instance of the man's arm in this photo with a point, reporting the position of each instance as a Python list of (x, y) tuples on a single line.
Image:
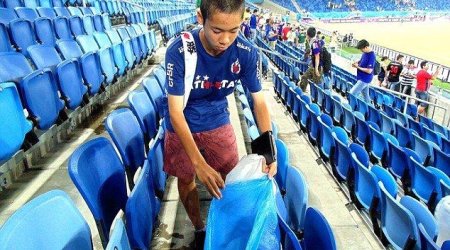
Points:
[(207, 175), (316, 64), (264, 123)]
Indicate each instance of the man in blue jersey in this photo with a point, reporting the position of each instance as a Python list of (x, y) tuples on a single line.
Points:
[(253, 24), (364, 67), (200, 140)]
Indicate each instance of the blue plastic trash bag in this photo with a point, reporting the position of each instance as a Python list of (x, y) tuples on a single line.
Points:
[(246, 216)]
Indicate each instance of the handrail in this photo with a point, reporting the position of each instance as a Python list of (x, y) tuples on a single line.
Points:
[(138, 6)]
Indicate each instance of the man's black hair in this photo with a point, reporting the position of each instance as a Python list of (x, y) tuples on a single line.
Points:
[(422, 64), (411, 61), (311, 32), (362, 44), (255, 10), (399, 56), (209, 7)]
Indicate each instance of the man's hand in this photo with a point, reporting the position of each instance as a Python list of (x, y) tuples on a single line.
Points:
[(210, 178), (317, 72), (271, 169)]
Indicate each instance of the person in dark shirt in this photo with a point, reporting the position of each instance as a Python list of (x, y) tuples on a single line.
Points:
[(382, 74), (393, 71), (314, 72), (253, 24)]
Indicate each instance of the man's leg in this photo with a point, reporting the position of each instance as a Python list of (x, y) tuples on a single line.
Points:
[(189, 197), (365, 93), (357, 88), (304, 79)]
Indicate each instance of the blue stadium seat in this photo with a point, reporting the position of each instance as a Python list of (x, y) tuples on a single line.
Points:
[(424, 184), (426, 121), (20, 70), (133, 32), (44, 56), (11, 4), (296, 199), (76, 25), (144, 110), (304, 103), (140, 211), (74, 11), (287, 237), (62, 11), (386, 178), (416, 126), (445, 146), (90, 64), (156, 95), (353, 102), (313, 125), (134, 42), (44, 31), (62, 28), (318, 233), (58, 3), (5, 42), (22, 35), (362, 133), (374, 115), (342, 156), (441, 129), (401, 118), (423, 148), (427, 243), (51, 221), (403, 135), (106, 22), (327, 145), (14, 126), (378, 145), (118, 238), (117, 51), (432, 136), (366, 187), (27, 13), (441, 161), (45, 3), (422, 216), (337, 109), (156, 163), (349, 119), (47, 12), (397, 223), (86, 11), (363, 107), (7, 15), (103, 187), (88, 24), (124, 129), (253, 132), (387, 124), (160, 75), (98, 22), (296, 109), (398, 162), (389, 110), (282, 163), (127, 47)]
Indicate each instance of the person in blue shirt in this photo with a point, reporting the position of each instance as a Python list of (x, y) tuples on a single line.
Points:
[(253, 24), (364, 73), (200, 141)]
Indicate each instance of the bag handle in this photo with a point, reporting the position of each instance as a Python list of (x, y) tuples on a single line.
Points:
[(190, 64)]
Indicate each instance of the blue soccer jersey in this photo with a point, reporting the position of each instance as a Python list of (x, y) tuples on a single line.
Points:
[(215, 78)]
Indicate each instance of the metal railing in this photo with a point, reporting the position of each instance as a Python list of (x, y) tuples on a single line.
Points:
[(138, 6)]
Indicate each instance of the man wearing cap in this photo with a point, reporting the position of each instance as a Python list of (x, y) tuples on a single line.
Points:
[(364, 67)]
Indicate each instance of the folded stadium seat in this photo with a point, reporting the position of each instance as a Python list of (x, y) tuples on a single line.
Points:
[(68, 72), (290, 97), (441, 161), (313, 124), (22, 35), (328, 102), (62, 28), (349, 119), (425, 240), (45, 31), (397, 223), (94, 10), (387, 124), (86, 11), (88, 24), (403, 135), (398, 162), (249, 119), (296, 109), (134, 42), (424, 149), (118, 238), (283, 164), (422, 216), (426, 121), (295, 199), (160, 75), (326, 145), (50, 220), (103, 7), (288, 239), (341, 160), (416, 126), (366, 187), (45, 3), (58, 3), (90, 64), (318, 233), (76, 25), (7, 15), (156, 95), (31, 3), (441, 129), (378, 146), (432, 136), (363, 157), (62, 11), (412, 110), (337, 109), (362, 133), (125, 131), (390, 111), (373, 115), (88, 44), (401, 118), (11, 4), (141, 29), (103, 187), (145, 113), (141, 208), (353, 101), (27, 13), (424, 184), (156, 161), (304, 103), (126, 44), (5, 42), (399, 103), (110, 8), (14, 126), (106, 22), (98, 23), (46, 12), (74, 11), (320, 97), (117, 50), (445, 145), (363, 107)]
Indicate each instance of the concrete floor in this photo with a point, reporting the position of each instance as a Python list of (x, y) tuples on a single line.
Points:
[(175, 230)]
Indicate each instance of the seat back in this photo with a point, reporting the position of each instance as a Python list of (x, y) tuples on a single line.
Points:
[(27, 13), (282, 163), (366, 188), (50, 221), (403, 135), (11, 4), (47, 12), (87, 43), (427, 243), (423, 149), (318, 233), (44, 56), (421, 215), (99, 176), (296, 198), (160, 75), (76, 25), (13, 66), (14, 125), (5, 42), (118, 238), (69, 48), (62, 11), (44, 31), (88, 24), (441, 161), (22, 34), (145, 112), (71, 83), (154, 92), (98, 22)]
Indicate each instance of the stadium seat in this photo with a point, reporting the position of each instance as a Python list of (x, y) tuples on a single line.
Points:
[(313, 124), (7, 15), (287, 237), (21, 67), (349, 119), (423, 148), (144, 110), (27, 13), (22, 35), (337, 109), (427, 243), (47, 12), (14, 126), (141, 39), (86, 11), (160, 75), (253, 132), (88, 24), (421, 215), (98, 22), (134, 42), (378, 145), (125, 131), (62, 28), (353, 102), (441, 161), (11, 4), (398, 162), (5, 42), (76, 25), (118, 53), (45, 3), (58, 3), (362, 133), (140, 211), (156, 161), (424, 184), (366, 187), (441, 129), (51, 221), (387, 124), (416, 126), (445, 146), (106, 22), (282, 163), (403, 135), (103, 186), (127, 47), (304, 103), (156, 95), (373, 115), (342, 156), (318, 233), (432, 136), (118, 238), (397, 223), (90, 64), (326, 145), (296, 199), (426, 121), (74, 11), (44, 31), (62, 11), (389, 110)]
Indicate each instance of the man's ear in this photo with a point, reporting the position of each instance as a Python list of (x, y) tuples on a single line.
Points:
[(200, 19)]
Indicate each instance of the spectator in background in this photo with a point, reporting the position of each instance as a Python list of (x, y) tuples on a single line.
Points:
[(253, 24), (314, 71), (393, 71), (407, 77), (285, 31), (424, 82), (382, 75), (271, 34), (301, 37), (245, 28), (247, 13), (364, 70)]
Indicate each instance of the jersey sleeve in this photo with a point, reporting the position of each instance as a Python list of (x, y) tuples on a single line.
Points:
[(315, 48), (175, 69), (250, 76), (371, 61)]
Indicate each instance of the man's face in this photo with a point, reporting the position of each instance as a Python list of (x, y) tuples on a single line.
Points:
[(220, 30)]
